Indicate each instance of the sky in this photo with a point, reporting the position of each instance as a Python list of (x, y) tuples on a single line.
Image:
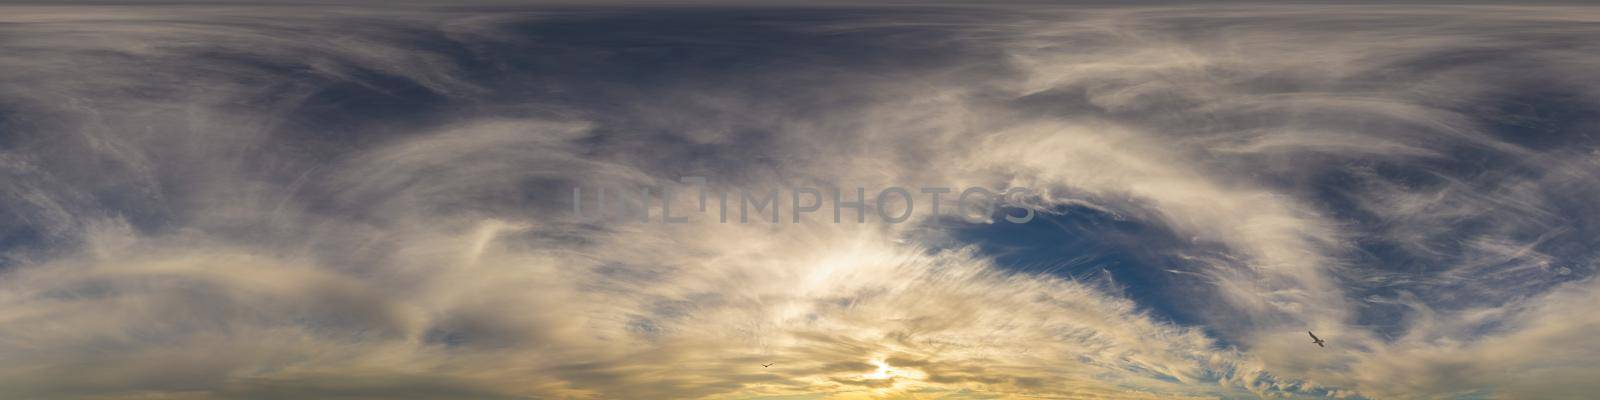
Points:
[(348, 201)]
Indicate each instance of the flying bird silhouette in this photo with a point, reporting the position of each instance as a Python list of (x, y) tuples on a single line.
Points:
[(1315, 339), (767, 365)]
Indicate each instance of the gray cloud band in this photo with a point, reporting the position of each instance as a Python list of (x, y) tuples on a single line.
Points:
[(892, 204)]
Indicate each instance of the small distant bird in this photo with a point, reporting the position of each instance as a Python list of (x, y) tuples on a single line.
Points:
[(1316, 340), (767, 365)]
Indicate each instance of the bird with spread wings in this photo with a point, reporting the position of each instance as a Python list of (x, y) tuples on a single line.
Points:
[(1315, 339)]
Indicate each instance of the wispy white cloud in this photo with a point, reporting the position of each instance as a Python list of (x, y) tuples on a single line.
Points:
[(204, 208)]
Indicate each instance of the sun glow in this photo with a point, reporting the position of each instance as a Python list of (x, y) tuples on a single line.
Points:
[(886, 371)]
